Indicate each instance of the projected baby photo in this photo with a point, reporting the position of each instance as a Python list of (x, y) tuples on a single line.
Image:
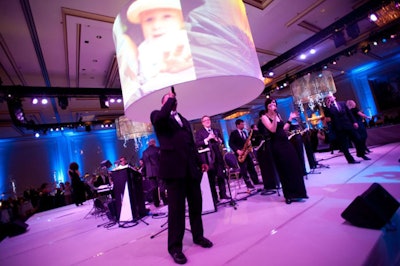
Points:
[(154, 50), (160, 43)]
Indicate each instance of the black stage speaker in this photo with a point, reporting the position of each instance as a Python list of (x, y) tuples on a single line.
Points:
[(352, 30), (372, 209), (339, 39), (16, 228)]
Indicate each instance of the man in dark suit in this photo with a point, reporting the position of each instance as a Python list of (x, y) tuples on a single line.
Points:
[(237, 139), (181, 168), (344, 125), (211, 138), (151, 160)]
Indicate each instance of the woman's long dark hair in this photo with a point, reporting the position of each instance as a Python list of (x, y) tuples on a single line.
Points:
[(267, 102)]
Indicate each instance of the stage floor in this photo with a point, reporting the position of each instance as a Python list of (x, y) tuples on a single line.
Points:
[(262, 230)]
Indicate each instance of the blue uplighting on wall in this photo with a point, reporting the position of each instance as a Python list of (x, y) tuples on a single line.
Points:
[(225, 134), (5, 147), (285, 106), (58, 159), (107, 140)]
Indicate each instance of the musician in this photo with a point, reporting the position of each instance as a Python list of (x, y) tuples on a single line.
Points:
[(237, 140), (344, 125), (103, 178), (211, 138), (285, 157)]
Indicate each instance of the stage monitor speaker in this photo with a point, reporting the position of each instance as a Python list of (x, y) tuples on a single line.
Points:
[(338, 38), (372, 209), (353, 31)]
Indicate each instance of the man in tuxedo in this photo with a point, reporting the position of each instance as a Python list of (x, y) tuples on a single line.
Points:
[(151, 160), (344, 125), (181, 169), (211, 138), (237, 139)]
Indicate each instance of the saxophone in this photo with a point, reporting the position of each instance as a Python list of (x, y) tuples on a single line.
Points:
[(246, 148)]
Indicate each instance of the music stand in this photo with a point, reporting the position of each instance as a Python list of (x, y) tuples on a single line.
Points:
[(164, 229)]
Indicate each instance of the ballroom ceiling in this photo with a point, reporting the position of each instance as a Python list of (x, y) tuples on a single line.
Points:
[(63, 50)]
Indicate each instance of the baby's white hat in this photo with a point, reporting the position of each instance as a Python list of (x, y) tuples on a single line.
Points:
[(139, 6)]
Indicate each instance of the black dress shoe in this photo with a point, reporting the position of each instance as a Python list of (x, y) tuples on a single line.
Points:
[(288, 201), (203, 242), (354, 162), (179, 257), (366, 158)]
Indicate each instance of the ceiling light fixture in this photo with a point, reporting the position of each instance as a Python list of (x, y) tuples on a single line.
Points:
[(366, 48), (104, 103), (373, 17)]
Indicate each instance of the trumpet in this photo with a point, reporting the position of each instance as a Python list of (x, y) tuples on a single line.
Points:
[(246, 148)]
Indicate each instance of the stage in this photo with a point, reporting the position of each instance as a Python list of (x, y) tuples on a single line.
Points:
[(262, 230)]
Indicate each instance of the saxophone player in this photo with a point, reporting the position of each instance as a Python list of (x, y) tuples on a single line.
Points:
[(237, 141)]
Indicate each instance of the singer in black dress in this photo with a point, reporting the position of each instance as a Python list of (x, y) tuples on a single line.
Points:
[(285, 157)]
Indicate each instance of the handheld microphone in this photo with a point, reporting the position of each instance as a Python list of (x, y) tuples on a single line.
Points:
[(173, 90)]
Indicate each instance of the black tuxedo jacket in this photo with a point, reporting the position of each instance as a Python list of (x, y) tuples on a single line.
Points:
[(236, 142), (151, 160), (178, 153), (215, 152), (202, 134), (340, 120)]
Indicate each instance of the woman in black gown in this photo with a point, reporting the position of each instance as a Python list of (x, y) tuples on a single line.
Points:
[(265, 159), (286, 160), (78, 187)]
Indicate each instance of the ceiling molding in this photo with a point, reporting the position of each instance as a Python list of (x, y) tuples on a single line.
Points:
[(84, 15), (304, 13), (267, 52), (78, 53), (261, 4), (26, 8), (309, 26), (11, 60), (112, 73)]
